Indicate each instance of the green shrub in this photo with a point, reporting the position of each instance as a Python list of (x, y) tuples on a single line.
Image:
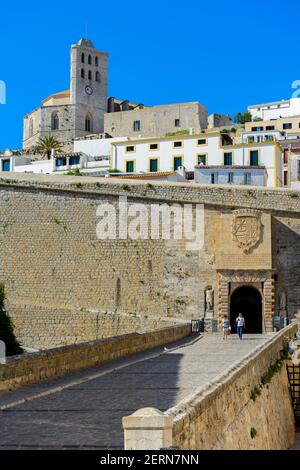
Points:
[(75, 172), (7, 181), (255, 392), (285, 349), (273, 368), (59, 222), (253, 433), (183, 132), (6, 329)]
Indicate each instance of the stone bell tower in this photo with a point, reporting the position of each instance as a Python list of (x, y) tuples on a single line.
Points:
[(88, 89)]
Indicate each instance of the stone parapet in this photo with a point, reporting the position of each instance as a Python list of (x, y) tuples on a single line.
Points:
[(235, 411), (35, 367), (280, 199)]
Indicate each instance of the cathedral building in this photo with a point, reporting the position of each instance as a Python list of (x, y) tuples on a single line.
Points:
[(76, 112), (86, 109)]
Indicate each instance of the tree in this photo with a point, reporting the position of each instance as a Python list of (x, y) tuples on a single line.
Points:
[(46, 144), (238, 118), (6, 329), (75, 172), (241, 118)]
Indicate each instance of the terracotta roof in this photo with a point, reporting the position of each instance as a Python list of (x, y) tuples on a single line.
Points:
[(146, 175), (118, 101), (231, 167), (293, 144), (61, 94)]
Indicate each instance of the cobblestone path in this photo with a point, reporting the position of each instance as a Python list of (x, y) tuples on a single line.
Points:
[(84, 409)]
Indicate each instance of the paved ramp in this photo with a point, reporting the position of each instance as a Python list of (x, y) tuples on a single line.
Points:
[(84, 410)]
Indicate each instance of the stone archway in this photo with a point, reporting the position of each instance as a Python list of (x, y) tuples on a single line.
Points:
[(248, 301), (262, 281)]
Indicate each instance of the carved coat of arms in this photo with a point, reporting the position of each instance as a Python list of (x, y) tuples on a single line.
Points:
[(247, 229)]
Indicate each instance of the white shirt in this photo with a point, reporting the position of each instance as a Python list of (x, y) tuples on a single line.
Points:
[(240, 321)]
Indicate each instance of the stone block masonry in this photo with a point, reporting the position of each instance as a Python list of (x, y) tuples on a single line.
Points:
[(157, 121), (55, 270), (47, 327)]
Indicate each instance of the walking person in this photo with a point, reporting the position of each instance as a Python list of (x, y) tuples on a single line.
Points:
[(241, 325), (225, 327)]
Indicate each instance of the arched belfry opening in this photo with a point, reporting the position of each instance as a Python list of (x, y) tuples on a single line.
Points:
[(248, 301)]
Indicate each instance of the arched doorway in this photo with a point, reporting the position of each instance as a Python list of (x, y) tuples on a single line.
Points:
[(248, 301)]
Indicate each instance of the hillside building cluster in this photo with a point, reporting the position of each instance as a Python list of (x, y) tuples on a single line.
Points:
[(101, 135)]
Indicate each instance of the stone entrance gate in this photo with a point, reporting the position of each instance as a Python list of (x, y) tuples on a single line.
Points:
[(263, 281)]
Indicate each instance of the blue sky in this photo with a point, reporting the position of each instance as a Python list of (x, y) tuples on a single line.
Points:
[(226, 55)]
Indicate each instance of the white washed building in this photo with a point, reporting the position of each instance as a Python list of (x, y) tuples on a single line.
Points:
[(95, 146), (212, 156), (241, 175), (91, 156), (276, 109), (170, 153), (250, 137), (294, 172), (58, 164), (285, 130)]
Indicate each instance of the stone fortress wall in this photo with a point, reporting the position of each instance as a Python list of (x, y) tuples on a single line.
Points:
[(46, 327), (63, 285)]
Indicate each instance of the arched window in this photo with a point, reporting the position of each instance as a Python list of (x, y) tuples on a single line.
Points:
[(82, 73), (55, 121), (30, 132), (97, 77), (96, 61), (82, 58), (88, 123), (90, 75), (89, 60)]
